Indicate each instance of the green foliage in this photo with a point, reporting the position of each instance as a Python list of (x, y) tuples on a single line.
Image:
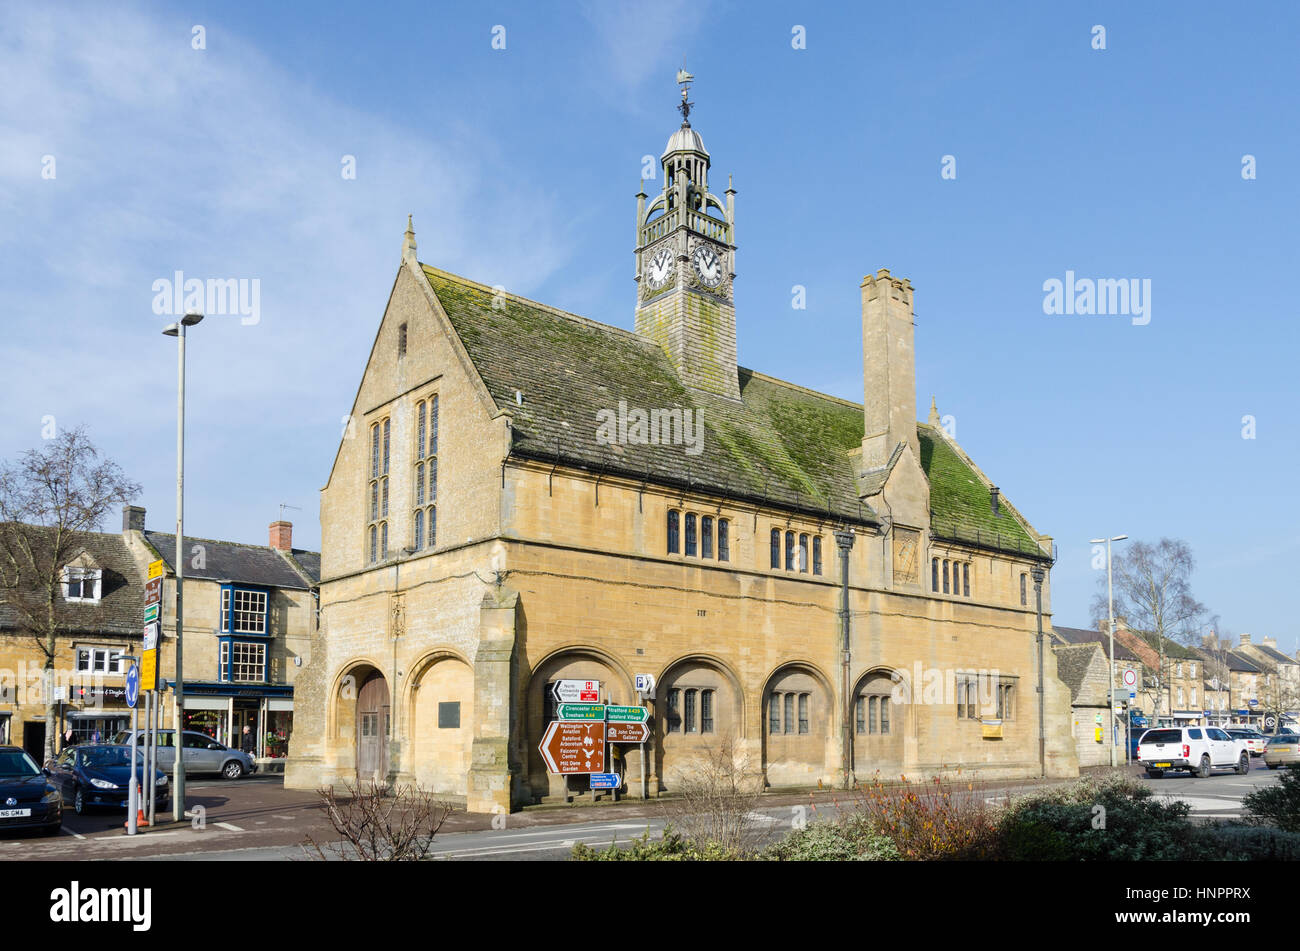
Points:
[(671, 848), (936, 820), (850, 840), (1277, 805), (1233, 842)]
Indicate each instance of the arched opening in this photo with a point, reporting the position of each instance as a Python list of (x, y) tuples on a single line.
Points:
[(363, 720), (878, 724), (699, 712), (569, 664), (798, 725), (441, 723)]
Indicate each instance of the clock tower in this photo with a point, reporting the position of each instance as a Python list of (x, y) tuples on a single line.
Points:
[(686, 264)]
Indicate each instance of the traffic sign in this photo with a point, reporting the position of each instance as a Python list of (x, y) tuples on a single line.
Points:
[(149, 670), (1130, 677), (132, 685), (151, 632), (605, 781), (627, 732), (581, 711), (645, 683), (576, 691), (153, 591), (156, 569), (150, 612), (626, 714), (572, 746), (1132, 695)]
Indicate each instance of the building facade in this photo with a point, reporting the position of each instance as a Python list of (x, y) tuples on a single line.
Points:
[(524, 495)]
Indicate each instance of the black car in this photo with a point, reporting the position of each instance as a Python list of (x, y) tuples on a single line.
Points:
[(100, 775), (28, 799)]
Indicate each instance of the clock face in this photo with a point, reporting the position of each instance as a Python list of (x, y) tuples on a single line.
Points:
[(707, 265), (661, 268)]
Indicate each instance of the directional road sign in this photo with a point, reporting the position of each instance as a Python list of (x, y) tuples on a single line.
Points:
[(626, 714), (605, 781), (645, 683), (576, 691), (627, 732), (581, 711), (572, 746)]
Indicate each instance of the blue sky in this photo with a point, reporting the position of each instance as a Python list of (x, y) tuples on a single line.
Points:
[(521, 165)]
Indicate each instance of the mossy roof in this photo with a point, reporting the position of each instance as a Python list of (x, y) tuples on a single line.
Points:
[(781, 443), (961, 505)]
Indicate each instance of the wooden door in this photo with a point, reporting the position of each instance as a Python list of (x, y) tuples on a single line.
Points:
[(372, 729)]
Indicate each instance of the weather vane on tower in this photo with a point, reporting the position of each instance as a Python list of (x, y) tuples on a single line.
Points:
[(684, 79)]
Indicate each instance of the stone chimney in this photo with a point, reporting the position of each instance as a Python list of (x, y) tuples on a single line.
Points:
[(889, 368), (133, 518), (1269, 642), (1245, 639), (281, 536)]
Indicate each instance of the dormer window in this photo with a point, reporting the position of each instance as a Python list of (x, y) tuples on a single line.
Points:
[(82, 584)]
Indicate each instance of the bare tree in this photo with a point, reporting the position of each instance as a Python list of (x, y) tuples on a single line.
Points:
[(715, 801), (1153, 592), (378, 824), (50, 498)]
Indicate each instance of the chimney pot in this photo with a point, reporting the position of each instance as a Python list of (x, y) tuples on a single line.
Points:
[(1245, 639), (1269, 641), (281, 533)]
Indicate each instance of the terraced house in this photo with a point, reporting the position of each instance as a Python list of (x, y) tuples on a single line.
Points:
[(507, 510)]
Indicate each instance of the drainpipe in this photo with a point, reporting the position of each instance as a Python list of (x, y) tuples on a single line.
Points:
[(1038, 575), (844, 540)]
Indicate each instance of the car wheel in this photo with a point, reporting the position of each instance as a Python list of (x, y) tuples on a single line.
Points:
[(1243, 765), (54, 829), (79, 803), (1155, 773), (1203, 770), (233, 770)]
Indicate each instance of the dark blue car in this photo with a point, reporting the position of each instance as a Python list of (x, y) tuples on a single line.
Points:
[(28, 800), (100, 775)]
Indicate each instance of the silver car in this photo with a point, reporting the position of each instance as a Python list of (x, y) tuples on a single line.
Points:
[(203, 754)]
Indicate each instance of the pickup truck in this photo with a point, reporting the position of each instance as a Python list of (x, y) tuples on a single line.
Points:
[(1197, 749)]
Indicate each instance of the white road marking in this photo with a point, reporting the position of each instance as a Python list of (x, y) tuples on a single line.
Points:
[(75, 835), (278, 816), (227, 826)]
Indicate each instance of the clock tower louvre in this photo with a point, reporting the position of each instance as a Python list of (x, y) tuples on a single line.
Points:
[(685, 264)]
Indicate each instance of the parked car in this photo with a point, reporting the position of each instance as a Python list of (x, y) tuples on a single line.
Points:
[(203, 754), (28, 800), (1254, 740), (1197, 749), (99, 774), (1283, 749)]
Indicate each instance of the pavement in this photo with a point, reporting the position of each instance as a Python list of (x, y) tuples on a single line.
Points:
[(256, 818)]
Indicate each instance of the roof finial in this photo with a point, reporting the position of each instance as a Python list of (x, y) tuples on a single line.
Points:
[(684, 79), (934, 414), (408, 242)]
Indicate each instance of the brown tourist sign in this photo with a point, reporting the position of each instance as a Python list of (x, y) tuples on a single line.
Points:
[(574, 746)]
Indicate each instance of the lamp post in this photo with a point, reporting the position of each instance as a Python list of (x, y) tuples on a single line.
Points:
[(177, 330), (1038, 573), (844, 541), (1110, 599)]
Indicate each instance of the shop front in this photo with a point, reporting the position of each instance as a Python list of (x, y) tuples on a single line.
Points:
[(255, 719)]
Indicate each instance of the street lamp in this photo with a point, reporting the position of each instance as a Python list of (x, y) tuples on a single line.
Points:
[(844, 540), (1110, 599), (1038, 573), (177, 330)]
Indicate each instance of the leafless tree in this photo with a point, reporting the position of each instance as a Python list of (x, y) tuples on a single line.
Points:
[(715, 797), (1153, 592), (378, 824), (50, 498)]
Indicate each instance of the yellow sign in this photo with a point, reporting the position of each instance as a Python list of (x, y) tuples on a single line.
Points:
[(149, 670), (993, 730), (156, 568)]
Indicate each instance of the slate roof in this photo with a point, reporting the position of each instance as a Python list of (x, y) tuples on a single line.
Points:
[(781, 444), (1082, 635), (1238, 661), (121, 589), (1072, 663), (1275, 655), (1172, 648), (234, 561)]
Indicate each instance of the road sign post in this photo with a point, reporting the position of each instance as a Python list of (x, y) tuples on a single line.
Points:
[(576, 691), (574, 747), (580, 711)]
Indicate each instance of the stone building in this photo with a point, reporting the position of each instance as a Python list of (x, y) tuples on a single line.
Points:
[(1084, 668), (525, 495), (249, 615)]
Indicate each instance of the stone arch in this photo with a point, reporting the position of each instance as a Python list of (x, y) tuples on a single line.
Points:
[(341, 715), (574, 662), (438, 719), (699, 707), (878, 713), (360, 719), (798, 723)]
